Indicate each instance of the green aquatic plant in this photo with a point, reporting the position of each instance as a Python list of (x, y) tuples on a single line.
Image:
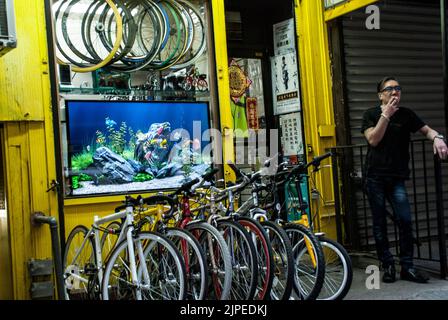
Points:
[(128, 154), (75, 182), (85, 177), (82, 160), (142, 177), (116, 139)]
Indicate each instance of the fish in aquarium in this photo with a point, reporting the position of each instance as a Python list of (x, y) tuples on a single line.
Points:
[(144, 157)]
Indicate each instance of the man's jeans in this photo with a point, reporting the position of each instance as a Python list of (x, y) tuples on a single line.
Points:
[(380, 189)]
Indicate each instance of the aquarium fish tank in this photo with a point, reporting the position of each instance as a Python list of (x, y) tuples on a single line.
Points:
[(116, 147)]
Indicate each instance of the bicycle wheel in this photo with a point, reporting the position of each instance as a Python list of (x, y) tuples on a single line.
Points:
[(80, 266), (219, 262), (160, 273), (198, 45), (195, 262), (244, 259), (66, 49), (283, 272), (265, 256), (338, 271), (309, 262)]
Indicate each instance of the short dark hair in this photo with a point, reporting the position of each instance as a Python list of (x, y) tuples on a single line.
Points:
[(380, 84)]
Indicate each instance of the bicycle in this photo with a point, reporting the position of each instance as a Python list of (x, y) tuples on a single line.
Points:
[(194, 79), (212, 242), (338, 269), (154, 214), (142, 265), (242, 249), (281, 279)]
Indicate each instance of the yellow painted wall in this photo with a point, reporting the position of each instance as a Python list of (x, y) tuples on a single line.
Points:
[(24, 70), (29, 158)]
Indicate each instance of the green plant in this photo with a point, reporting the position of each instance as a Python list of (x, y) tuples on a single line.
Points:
[(82, 160), (116, 138), (85, 177), (141, 177), (75, 182)]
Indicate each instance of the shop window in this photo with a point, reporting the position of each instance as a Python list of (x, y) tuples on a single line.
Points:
[(134, 82)]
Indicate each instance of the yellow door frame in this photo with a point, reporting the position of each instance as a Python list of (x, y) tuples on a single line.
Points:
[(316, 85), (222, 71)]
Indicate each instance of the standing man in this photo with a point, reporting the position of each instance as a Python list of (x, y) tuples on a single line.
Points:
[(387, 129)]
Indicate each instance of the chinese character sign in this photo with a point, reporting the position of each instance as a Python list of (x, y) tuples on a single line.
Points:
[(291, 136)]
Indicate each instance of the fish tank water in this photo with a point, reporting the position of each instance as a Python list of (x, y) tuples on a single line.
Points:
[(135, 146)]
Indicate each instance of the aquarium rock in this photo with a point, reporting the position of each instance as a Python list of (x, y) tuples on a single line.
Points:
[(153, 147), (170, 170), (113, 167)]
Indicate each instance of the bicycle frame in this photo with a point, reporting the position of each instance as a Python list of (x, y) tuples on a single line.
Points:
[(125, 233)]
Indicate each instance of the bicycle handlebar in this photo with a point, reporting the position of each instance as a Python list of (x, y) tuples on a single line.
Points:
[(317, 160), (186, 186), (129, 201), (160, 199)]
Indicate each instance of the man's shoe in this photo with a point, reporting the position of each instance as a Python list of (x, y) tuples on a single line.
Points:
[(389, 274), (413, 275)]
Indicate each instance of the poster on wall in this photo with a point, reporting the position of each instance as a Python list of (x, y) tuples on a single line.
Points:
[(252, 116), (285, 83), (284, 34), (291, 136)]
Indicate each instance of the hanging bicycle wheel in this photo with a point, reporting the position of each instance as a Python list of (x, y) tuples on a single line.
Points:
[(70, 47), (198, 45)]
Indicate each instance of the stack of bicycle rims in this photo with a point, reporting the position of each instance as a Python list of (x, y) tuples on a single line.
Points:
[(128, 35)]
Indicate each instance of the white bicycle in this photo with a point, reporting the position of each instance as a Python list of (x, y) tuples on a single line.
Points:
[(141, 266)]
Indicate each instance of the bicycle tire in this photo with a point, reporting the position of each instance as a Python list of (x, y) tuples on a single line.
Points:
[(79, 67), (195, 262), (244, 259), (79, 266), (308, 274), (198, 33), (128, 36), (166, 52), (219, 261), (283, 261), (337, 260), (265, 256), (147, 241)]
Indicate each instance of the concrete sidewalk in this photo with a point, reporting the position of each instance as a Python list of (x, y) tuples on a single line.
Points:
[(435, 289)]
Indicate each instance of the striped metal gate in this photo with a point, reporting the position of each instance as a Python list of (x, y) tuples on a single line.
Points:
[(407, 46)]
